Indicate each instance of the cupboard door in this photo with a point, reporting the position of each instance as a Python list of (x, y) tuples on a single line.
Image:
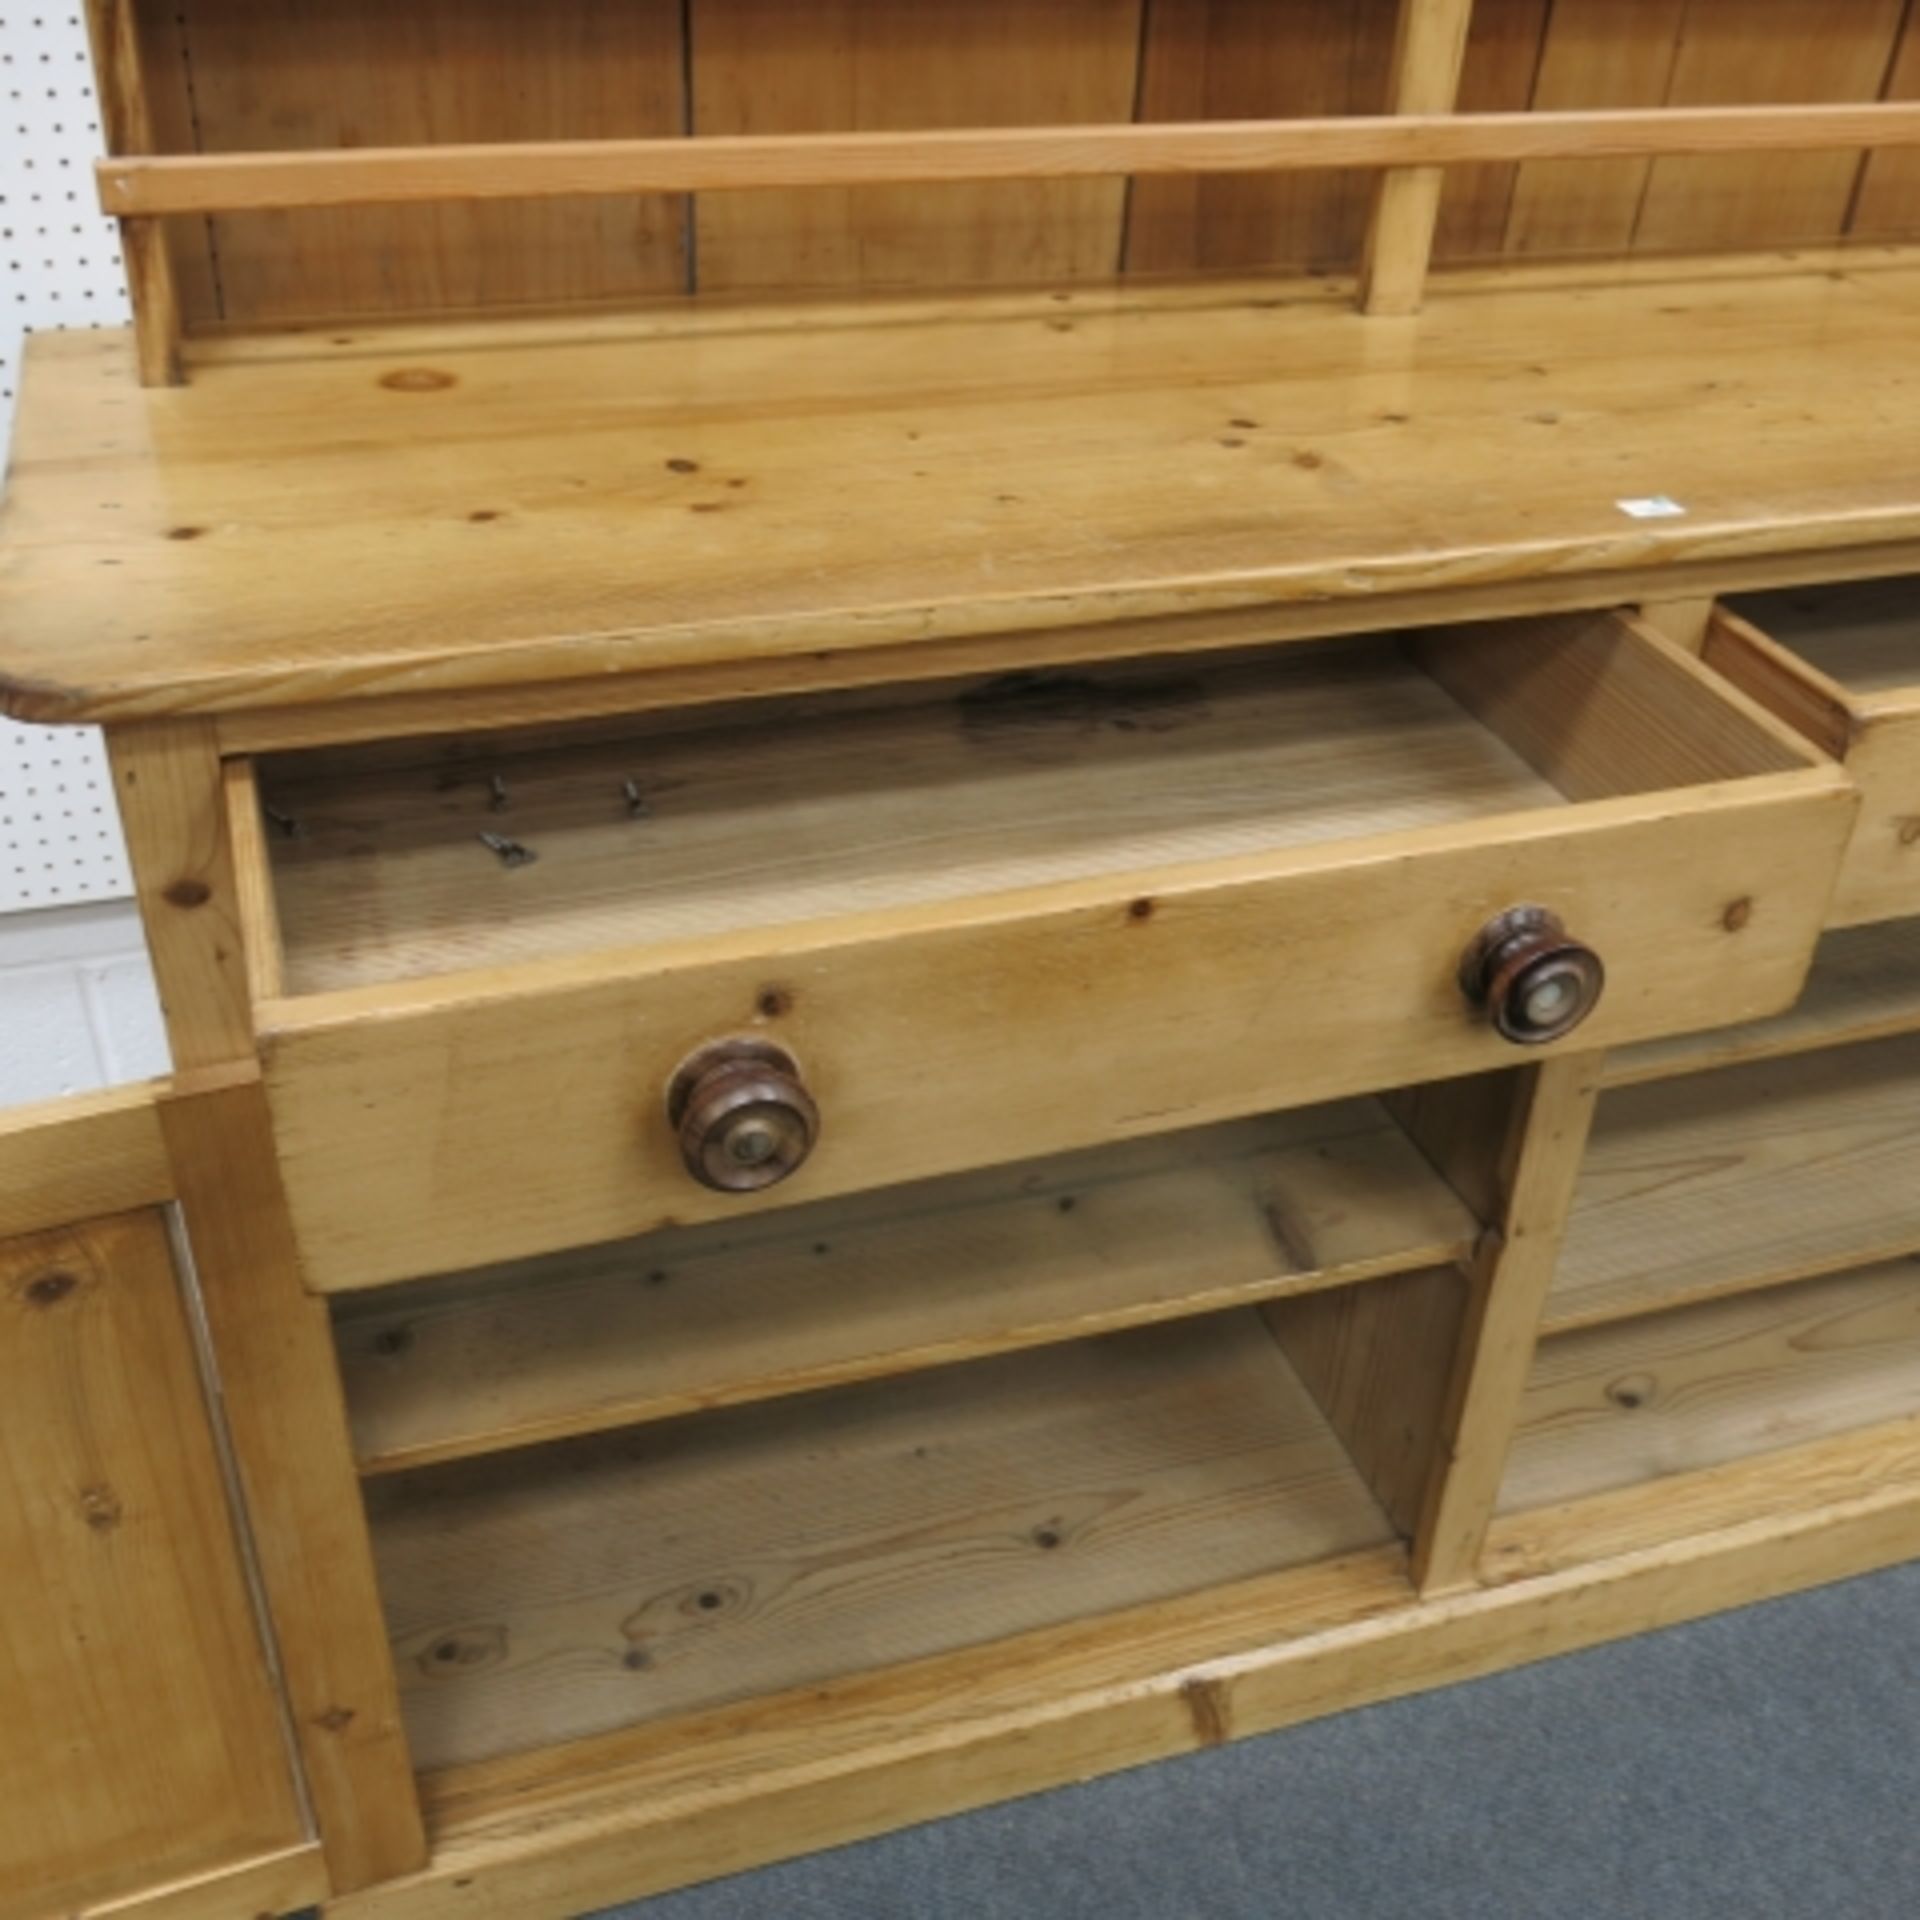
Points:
[(142, 1757)]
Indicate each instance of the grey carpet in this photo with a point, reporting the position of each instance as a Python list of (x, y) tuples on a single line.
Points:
[(1762, 1765)]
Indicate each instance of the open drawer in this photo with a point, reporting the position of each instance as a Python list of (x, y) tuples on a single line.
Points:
[(957, 928), (1842, 664)]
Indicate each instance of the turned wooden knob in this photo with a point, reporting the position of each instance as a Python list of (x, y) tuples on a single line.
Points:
[(743, 1114), (1536, 982)]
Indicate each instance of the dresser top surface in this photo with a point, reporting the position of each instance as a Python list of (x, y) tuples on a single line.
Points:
[(330, 516)]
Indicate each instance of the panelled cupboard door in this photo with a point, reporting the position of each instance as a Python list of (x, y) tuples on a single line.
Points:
[(143, 1767)]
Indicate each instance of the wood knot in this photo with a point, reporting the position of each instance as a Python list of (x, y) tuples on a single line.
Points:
[(1909, 831), (100, 1508), (464, 1649), (1738, 913), (48, 1289), (773, 1002), (680, 464), (188, 893), (1209, 1709), (417, 380), (334, 1720), (1632, 1390)]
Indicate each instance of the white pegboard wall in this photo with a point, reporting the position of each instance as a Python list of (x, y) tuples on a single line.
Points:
[(59, 832)]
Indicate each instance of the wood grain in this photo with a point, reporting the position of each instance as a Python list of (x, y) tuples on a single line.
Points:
[(1843, 665), (969, 467), (1742, 1178), (127, 120), (1430, 44), (1865, 985), (1753, 50), (692, 1798), (1278, 979), (268, 1884), (736, 163), (1535, 1162), (141, 1742), (1672, 1393), (540, 1597), (167, 778), (775, 821), (843, 1290), (281, 1389), (1596, 54), (315, 75), (1888, 203), (763, 66), (82, 1156)]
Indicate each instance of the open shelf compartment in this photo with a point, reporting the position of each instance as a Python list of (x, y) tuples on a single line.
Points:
[(1864, 985), (1743, 1177), (1719, 1381), (904, 1279), (554, 1594)]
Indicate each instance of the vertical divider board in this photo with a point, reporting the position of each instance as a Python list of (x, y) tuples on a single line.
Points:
[(272, 1341), (1430, 45), (1425, 1386), (126, 119)]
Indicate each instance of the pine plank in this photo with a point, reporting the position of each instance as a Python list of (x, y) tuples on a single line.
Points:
[(1742, 1178), (1865, 985), (924, 1276), (768, 823), (1246, 60), (359, 73), (841, 66), (1724, 1380), (1596, 53), (1742, 52), (1888, 205), (555, 1832), (929, 471), (545, 1596), (141, 1740)]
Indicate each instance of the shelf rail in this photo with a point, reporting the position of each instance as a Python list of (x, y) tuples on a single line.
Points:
[(142, 188)]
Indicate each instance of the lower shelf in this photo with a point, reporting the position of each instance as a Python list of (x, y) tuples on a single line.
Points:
[(1747, 1176), (921, 1276), (1865, 985), (1723, 1380), (547, 1595)]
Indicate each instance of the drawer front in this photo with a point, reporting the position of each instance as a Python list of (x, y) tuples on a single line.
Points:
[(1842, 664), (475, 1116), (435, 1125)]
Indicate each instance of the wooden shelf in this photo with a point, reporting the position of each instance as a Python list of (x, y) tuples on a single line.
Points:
[(1743, 1178), (809, 493), (1865, 985), (950, 1270), (1719, 1381), (845, 807), (544, 1596)]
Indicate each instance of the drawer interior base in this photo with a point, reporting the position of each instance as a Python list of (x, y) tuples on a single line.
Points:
[(834, 807)]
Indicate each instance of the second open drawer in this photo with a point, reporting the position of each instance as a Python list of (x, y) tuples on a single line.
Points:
[(985, 923), (1842, 664)]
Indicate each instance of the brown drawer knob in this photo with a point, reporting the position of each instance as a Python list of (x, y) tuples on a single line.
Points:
[(744, 1115), (1536, 982)]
